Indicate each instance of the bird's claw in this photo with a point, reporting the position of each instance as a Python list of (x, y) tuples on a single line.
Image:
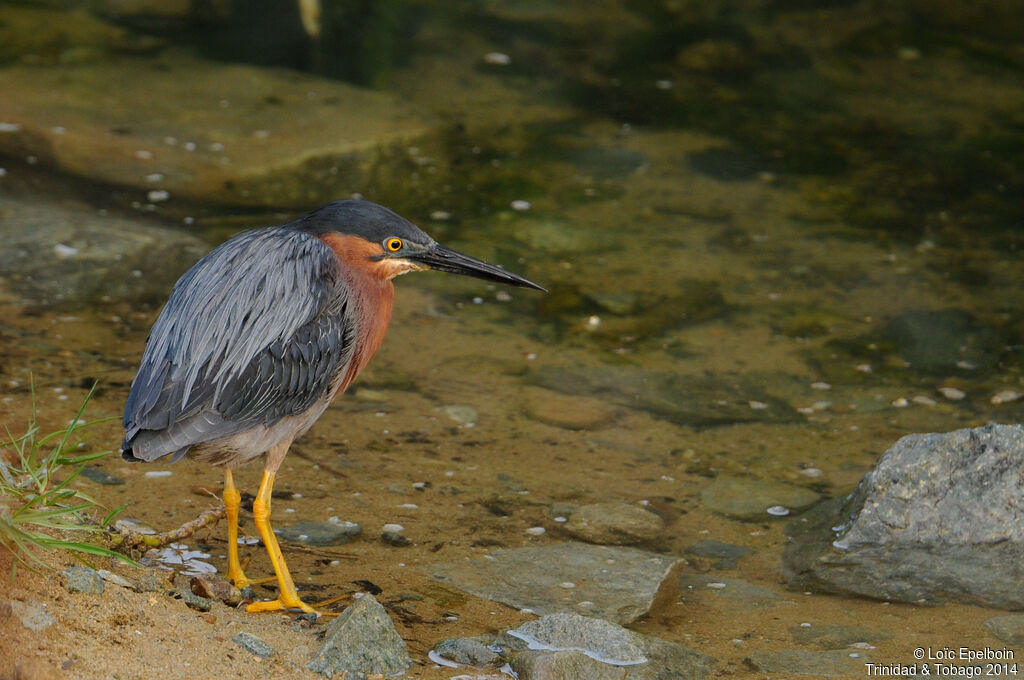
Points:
[(278, 605)]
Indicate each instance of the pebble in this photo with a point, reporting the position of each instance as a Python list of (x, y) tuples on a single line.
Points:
[(117, 579), (1004, 397), (395, 538), (251, 643), (83, 580), (183, 587), (463, 415), (497, 58), (614, 524), (952, 393), (215, 588)]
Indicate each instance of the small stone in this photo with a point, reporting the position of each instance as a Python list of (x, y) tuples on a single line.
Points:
[(155, 580), (952, 393), (83, 580), (251, 643), (100, 476), (183, 587), (614, 524), (497, 58), (1004, 397), (320, 533), (466, 651), (463, 415), (394, 538), (215, 588), (116, 579)]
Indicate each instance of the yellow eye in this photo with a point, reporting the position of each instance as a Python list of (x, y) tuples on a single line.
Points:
[(393, 244)]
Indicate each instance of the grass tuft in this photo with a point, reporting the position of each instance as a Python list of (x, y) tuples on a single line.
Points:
[(38, 508)]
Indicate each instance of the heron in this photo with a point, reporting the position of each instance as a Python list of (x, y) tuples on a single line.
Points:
[(261, 335)]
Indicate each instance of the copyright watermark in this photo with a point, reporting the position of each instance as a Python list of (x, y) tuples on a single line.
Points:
[(952, 662)]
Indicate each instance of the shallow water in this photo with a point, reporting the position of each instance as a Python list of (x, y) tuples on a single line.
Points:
[(739, 215)]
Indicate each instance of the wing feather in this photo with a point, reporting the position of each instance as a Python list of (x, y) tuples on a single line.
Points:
[(254, 332)]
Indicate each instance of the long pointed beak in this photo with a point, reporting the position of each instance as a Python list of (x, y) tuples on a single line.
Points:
[(445, 259)]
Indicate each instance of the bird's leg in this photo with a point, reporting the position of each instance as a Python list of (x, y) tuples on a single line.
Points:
[(232, 499), (287, 597)]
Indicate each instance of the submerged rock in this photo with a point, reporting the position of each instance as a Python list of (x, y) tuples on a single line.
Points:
[(89, 256), (362, 640), (248, 136), (1008, 628), (562, 646), (695, 401), (937, 518), (614, 524), (727, 593), (320, 533), (840, 662), (836, 636), (725, 554), (612, 583), (751, 499)]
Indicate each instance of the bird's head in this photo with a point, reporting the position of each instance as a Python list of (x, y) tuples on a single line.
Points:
[(380, 241)]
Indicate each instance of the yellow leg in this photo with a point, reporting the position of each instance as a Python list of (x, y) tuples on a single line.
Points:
[(287, 597), (232, 499)]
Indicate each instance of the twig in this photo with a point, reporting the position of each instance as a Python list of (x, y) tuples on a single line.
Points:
[(130, 540)]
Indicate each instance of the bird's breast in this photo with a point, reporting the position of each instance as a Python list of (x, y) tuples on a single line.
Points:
[(370, 300)]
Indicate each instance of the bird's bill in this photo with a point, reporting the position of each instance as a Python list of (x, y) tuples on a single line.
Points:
[(445, 259)]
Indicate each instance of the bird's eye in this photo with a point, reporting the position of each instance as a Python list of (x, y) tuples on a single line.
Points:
[(393, 244)]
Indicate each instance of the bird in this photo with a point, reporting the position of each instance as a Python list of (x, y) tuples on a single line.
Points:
[(259, 337)]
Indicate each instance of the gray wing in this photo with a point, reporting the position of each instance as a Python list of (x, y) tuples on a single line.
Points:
[(252, 333)]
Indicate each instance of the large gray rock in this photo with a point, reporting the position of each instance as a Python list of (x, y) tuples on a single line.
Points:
[(567, 646), (940, 517), (361, 641), (612, 583)]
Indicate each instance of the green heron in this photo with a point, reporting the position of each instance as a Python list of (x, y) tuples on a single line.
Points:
[(259, 337)]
